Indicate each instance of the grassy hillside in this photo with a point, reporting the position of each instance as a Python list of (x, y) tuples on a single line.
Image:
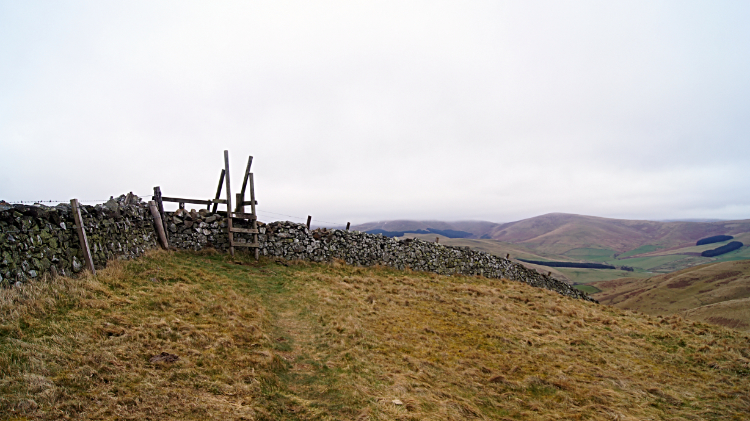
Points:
[(716, 293), (187, 336), (559, 233), (478, 228), (646, 246)]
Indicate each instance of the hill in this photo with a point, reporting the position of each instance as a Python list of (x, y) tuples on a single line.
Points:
[(199, 336), (560, 233), (715, 293), (644, 246), (477, 228)]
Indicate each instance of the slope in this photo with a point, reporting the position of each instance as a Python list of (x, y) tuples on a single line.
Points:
[(186, 336), (716, 292), (559, 233), (645, 246), (478, 228)]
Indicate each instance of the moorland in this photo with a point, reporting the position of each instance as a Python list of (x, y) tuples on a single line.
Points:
[(647, 247), (184, 335)]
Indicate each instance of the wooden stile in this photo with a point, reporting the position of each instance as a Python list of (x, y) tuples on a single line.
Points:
[(231, 213), (218, 192), (229, 203), (82, 235)]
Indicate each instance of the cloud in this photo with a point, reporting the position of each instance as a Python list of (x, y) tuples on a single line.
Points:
[(364, 111)]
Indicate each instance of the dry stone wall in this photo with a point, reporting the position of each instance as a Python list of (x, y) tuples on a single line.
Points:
[(291, 241), (37, 239)]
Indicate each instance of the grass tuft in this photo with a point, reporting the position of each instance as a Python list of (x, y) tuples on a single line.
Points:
[(200, 336)]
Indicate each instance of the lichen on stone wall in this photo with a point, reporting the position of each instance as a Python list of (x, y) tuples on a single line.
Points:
[(39, 239)]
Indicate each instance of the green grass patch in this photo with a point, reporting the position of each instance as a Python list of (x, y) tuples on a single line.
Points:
[(640, 250), (591, 254), (587, 276), (587, 288), (648, 263)]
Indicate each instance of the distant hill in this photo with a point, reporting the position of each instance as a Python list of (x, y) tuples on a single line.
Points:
[(559, 232), (717, 293), (645, 246), (477, 228)]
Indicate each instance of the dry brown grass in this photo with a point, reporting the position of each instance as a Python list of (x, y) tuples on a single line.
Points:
[(307, 341), (715, 293)]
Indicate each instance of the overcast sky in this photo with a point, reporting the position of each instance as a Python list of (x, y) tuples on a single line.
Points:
[(362, 111)]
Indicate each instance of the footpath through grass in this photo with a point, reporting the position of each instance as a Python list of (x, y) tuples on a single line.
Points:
[(198, 336)]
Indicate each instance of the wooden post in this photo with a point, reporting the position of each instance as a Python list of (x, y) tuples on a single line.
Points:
[(254, 224), (229, 203), (239, 206), (309, 218), (507, 256), (158, 225), (218, 191), (160, 205), (347, 226), (245, 176), (82, 235), (437, 240)]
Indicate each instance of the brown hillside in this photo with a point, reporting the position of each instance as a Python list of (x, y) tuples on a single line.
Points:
[(718, 293), (186, 336), (559, 232), (478, 228)]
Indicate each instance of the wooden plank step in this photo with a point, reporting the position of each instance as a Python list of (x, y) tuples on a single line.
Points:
[(242, 215), (192, 201), (236, 244), (245, 230)]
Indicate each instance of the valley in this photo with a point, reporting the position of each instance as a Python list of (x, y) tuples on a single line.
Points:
[(648, 248)]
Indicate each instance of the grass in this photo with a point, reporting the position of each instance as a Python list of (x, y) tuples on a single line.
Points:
[(649, 263), (300, 341), (587, 276), (591, 254), (589, 289), (718, 292), (640, 250)]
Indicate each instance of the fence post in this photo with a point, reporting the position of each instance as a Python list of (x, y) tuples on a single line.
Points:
[(229, 203), (160, 206), (158, 224), (347, 226), (309, 218), (82, 235)]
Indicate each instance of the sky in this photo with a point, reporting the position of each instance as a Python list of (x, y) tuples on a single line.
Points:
[(362, 111)]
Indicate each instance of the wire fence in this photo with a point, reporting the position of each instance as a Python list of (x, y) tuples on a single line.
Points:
[(301, 218)]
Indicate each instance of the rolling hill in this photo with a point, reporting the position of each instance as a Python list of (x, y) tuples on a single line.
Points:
[(646, 246), (561, 233), (715, 293)]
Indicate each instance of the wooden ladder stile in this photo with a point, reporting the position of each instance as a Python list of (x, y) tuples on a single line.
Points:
[(232, 213), (239, 211)]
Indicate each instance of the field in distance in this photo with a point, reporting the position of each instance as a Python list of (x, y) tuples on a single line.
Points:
[(716, 293), (177, 335), (647, 247)]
